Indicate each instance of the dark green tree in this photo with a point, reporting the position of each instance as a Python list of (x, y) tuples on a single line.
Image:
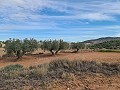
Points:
[(19, 48), (29, 45), (54, 46), (77, 46), (107, 45)]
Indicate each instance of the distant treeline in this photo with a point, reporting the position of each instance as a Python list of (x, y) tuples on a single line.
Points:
[(115, 44)]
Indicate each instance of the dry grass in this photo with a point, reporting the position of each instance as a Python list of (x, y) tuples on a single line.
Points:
[(33, 77), (62, 75)]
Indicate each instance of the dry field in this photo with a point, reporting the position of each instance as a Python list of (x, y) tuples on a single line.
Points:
[(36, 59), (88, 82), (68, 81)]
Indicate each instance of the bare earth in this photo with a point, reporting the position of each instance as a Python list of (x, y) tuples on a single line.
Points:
[(32, 60), (90, 82)]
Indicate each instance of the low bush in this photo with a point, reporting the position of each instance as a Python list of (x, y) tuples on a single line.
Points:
[(44, 74), (108, 50), (110, 69), (12, 67), (58, 68)]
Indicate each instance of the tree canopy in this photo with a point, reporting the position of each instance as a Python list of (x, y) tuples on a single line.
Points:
[(54, 46), (18, 47), (77, 46)]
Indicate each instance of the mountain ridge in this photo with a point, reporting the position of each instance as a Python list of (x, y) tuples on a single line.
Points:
[(100, 40)]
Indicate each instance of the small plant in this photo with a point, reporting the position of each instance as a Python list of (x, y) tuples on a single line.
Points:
[(12, 68)]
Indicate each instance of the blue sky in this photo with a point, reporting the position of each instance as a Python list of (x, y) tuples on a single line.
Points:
[(71, 20)]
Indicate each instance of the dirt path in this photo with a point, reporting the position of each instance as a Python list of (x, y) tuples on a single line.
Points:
[(39, 59)]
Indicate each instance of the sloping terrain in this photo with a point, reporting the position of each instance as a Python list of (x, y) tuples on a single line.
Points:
[(100, 40)]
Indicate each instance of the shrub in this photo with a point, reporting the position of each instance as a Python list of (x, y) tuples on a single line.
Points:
[(85, 66), (40, 70), (108, 50), (12, 68), (59, 69), (110, 69)]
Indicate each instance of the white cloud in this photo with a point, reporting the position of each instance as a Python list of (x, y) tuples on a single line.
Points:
[(28, 13), (97, 16), (20, 10)]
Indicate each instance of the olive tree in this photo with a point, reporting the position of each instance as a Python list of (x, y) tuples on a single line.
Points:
[(29, 45), (18, 47), (54, 46), (77, 46)]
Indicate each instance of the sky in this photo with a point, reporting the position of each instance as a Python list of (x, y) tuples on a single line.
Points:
[(70, 20)]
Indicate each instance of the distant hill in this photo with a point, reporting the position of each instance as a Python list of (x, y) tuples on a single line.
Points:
[(100, 40)]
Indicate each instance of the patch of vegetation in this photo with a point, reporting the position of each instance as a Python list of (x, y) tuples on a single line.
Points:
[(18, 48), (54, 46), (44, 74), (12, 68), (109, 50), (56, 67), (77, 46), (107, 45)]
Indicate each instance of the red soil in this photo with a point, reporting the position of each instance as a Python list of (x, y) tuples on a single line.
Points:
[(32, 60)]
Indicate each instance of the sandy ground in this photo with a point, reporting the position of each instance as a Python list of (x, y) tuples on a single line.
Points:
[(32, 60), (89, 82)]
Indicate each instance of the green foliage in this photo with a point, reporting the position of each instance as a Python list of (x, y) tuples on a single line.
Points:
[(18, 47), (13, 47), (54, 46), (29, 45), (77, 46), (109, 50), (107, 45), (12, 68)]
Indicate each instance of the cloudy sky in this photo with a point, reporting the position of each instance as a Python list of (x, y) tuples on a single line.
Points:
[(71, 20)]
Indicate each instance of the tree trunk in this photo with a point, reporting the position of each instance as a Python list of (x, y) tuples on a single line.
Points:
[(52, 52), (44, 50), (77, 50), (57, 51), (19, 54)]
